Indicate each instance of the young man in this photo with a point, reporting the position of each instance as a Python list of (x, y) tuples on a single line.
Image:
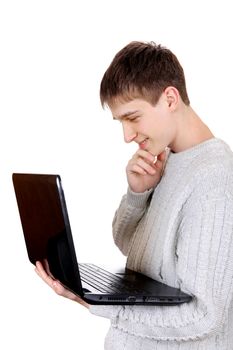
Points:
[(175, 223)]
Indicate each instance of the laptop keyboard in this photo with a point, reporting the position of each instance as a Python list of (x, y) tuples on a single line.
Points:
[(104, 281)]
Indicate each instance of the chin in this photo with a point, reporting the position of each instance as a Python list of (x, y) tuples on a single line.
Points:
[(157, 151), (154, 153), (153, 150)]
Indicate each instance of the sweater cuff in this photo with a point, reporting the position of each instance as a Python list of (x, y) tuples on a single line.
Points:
[(138, 200)]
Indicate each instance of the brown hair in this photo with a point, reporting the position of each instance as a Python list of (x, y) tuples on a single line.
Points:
[(144, 70)]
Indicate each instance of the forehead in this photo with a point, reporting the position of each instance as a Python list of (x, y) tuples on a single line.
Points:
[(121, 109)]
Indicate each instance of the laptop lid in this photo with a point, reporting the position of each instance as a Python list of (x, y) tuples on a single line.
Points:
[(46, 226)]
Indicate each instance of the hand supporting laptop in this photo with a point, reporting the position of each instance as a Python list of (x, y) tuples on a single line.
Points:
[(42, 270)]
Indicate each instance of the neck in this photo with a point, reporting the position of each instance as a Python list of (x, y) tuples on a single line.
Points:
[(190, 130)]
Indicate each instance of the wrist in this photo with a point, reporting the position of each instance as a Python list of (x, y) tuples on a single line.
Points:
[(138, 199)]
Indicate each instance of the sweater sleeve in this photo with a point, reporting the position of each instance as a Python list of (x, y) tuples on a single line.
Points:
[(132, 207), (204, 263)]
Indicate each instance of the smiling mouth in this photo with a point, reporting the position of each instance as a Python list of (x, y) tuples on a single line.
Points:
[(142, 144)]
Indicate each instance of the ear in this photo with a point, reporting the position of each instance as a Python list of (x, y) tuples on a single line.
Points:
[(172, 97)]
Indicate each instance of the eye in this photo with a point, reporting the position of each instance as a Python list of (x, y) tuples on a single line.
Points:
[(134, 119)]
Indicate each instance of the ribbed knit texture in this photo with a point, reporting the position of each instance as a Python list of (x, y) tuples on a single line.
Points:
[(180, 233)]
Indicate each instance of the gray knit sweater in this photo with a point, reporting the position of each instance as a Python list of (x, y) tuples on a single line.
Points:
[(180, 233)]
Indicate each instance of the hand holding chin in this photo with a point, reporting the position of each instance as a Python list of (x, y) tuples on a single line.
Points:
[(144, 171)]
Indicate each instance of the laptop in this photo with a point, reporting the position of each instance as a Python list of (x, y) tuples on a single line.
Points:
[(47, 233)]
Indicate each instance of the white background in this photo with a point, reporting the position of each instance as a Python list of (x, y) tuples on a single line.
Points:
[(52, 57)]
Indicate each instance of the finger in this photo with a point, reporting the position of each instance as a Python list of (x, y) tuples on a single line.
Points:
[(159, 166), (60, 289), (39, 267), (161, 160), (141, 167), (54, 284), (136, 169), (149, 169), (162, 156), (148, 157), (47, 269), (46, 266), (43, 274)]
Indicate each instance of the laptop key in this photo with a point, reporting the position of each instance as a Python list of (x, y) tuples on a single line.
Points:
[(105, 281)]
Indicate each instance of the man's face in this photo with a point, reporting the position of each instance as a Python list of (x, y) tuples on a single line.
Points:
[(151, 127)]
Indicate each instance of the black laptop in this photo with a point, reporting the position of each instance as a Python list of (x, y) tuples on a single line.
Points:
[(47, 233)]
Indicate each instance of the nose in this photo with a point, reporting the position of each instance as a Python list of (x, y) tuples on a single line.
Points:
[(129, 133)]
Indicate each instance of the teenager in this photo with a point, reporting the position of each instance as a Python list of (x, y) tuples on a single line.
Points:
[(175, 222)]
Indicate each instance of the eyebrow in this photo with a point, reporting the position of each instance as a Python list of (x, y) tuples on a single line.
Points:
[(125, 115)]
